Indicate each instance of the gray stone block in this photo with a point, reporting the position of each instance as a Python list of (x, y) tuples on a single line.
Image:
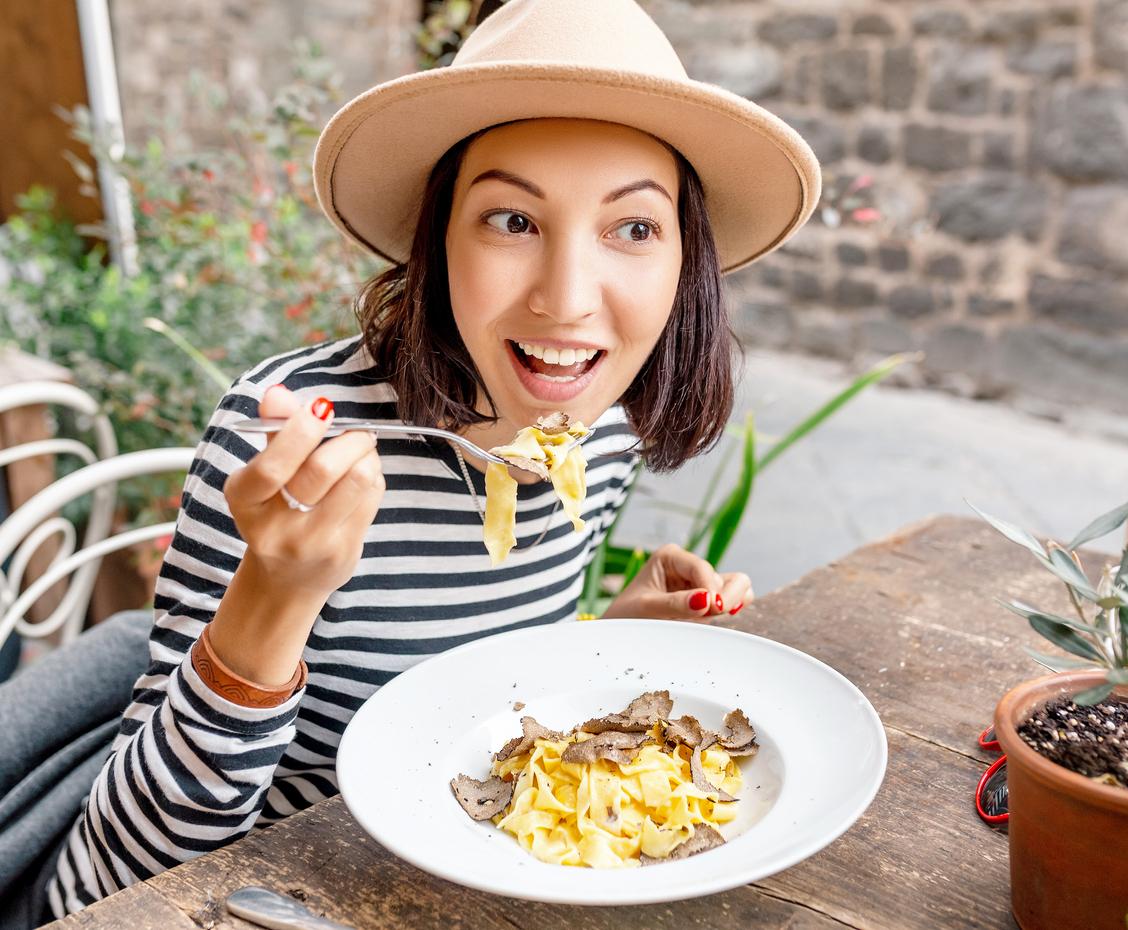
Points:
[(956, 347), (998, 150), (805, 285), (984, 306), (845, 78), (945, 265), (892, 257), (1081, 132), (898, 77), (875, 145), (1048, 60), (936, 148), (948, 23), (785, 29), (872, 24), (823, 333), (1097, 304), (751, 70), (1010, 25), (801, 83), (1110, 35), (960, 80), (771, 275), (990, 207), (849, 253), (764, 323), (852, 293), (911, 301), (884, 336), (1072, 369), (1093, 228), (825, 136)]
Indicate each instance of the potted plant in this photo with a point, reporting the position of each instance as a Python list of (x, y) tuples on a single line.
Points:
[(1066, 740)]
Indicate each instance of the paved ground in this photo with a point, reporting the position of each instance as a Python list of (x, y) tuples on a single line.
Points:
[(890, 457)]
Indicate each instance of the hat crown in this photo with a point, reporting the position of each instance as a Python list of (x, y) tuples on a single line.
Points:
[(611, 34)]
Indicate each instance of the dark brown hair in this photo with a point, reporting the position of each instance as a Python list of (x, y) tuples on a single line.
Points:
[(677, 405)]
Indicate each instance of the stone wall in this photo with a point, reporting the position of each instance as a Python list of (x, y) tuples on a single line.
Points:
[(246, 46), (992, 140), (989, 136)]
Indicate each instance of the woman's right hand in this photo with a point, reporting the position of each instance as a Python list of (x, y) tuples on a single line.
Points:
[(342, 479)]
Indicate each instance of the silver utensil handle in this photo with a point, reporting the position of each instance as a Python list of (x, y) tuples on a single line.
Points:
[(277, 911)]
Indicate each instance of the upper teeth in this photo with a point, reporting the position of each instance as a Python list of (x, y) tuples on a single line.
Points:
[(558, 356)]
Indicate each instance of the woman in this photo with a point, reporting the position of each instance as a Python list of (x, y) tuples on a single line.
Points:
[(545, 192)]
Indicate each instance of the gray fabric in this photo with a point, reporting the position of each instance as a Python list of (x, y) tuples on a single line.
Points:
[(58, 718)]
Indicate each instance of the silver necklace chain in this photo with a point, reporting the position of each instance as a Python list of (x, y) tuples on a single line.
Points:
[(482, 513)]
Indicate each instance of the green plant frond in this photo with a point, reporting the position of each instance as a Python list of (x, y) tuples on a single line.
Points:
[(1014, 533), (1066, 569), (1065, 638), (1101, 526), (1027, 612), (1092, 695), (1058, 663), (732, 512)]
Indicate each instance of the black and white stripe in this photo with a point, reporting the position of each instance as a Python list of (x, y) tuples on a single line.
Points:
[(189, 770)]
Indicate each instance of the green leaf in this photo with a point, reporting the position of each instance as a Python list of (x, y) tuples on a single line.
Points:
[(733, 510), (1010, 531), (1058, 663), (638, 559), (1066, 569), (1092, 695), (1062, 636), (1101, 526), (1028, 612)]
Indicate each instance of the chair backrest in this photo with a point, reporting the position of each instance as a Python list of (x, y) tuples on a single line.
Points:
[(38, 519)]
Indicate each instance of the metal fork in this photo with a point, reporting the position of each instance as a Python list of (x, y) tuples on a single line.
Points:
[(344, 424)]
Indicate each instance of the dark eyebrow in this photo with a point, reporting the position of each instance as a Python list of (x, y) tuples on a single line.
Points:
[(530, 188)]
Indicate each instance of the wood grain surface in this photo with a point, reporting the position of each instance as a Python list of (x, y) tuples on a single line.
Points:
[(910, 620)]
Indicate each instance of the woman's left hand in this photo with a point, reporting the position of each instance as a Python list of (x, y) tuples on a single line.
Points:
[(675, 584)]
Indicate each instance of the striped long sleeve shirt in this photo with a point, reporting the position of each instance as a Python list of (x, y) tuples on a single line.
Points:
[(190, 771)]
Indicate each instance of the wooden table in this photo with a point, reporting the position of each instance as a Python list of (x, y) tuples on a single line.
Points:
[(910, 620)]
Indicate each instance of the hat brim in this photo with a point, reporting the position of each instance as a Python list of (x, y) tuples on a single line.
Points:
[(760, 177)]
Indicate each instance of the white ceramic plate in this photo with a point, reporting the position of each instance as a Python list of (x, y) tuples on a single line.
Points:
[(821, 761)]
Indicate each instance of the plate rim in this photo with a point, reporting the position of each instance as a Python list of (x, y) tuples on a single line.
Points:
[(705, 887)]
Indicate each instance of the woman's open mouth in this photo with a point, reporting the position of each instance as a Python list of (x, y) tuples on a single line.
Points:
[(560, 378)]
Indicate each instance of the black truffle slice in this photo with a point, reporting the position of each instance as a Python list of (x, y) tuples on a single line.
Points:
[(482, 799), (613, 745), (688, 730), (554, 424), (704, 838), (739, 738), (641, 714), (699, 779), (537, 468), (530, 731)]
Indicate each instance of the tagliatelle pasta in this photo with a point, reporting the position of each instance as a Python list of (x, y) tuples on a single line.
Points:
[(544, 449), (619, 791), (606, 814)]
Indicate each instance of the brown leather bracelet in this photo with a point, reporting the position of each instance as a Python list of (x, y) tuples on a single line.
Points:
[(235, 688)]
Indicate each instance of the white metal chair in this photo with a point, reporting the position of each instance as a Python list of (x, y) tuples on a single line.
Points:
[(38, 519)]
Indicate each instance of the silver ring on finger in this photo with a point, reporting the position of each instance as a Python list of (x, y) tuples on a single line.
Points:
[(293, 502)]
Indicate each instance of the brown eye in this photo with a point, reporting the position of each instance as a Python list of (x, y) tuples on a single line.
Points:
[(514, 222), (640, 231)]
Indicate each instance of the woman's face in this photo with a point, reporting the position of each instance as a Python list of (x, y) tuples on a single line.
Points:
[(563, 235)]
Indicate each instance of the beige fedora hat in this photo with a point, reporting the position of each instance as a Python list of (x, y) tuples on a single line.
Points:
[(593, 59)]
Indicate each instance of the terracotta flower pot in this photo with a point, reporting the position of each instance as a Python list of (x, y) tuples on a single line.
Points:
[(1068, 833)]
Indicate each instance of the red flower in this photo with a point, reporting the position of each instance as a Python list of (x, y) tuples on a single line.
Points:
[(290, 167), (148, 207), (316, 335), (209, 175), (258, 232), (163, 542)]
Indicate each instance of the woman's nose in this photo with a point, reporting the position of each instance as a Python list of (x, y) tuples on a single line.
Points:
[(569, 288)]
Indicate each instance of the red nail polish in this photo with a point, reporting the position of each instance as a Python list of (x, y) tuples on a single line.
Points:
[(720, 603), (322, 408), (698, 600), (737, 608)]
